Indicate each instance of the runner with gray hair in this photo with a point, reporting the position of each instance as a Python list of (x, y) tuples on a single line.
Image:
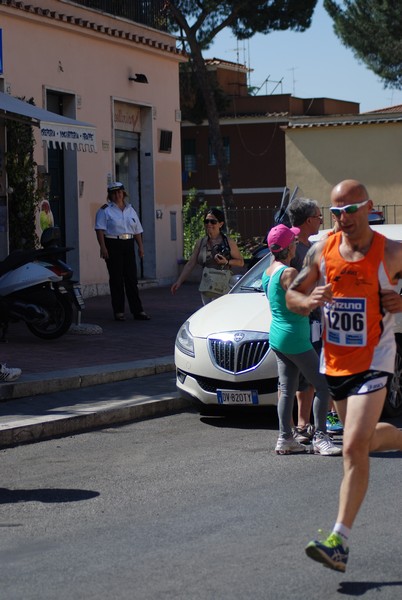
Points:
[(301, 209), (305, 214)]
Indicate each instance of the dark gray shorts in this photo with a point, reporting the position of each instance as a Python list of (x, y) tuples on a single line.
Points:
[(361, 383)]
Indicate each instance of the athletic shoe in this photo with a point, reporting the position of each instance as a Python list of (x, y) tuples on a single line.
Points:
[(7, 374), (331, 553), (303, 435), (333, 423), (322, 444), (288, 445)]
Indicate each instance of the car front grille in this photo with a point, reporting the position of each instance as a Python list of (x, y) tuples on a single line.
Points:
[(238, 352)]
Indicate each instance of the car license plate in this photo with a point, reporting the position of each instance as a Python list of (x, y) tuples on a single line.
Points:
[(236, 397)]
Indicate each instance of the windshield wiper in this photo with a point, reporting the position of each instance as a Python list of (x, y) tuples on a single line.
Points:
[(251, 288)]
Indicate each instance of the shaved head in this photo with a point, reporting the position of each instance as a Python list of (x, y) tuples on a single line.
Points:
[(348, 191)]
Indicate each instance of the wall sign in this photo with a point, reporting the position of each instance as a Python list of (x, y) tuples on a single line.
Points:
[(127, 117)]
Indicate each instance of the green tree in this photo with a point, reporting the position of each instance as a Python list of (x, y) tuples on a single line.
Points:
[(373, 30), (198, 22), (193, 223), (23, 197)]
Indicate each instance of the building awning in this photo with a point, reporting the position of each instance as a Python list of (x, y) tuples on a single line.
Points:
[(56, 130)]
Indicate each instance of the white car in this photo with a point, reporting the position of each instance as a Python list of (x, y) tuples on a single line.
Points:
[(222, 351)]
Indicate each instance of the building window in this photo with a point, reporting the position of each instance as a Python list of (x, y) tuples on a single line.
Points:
[(226, 148), (189, 155), (165, 141)]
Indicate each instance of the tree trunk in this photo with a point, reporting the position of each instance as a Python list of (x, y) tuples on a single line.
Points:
[(214, 128)]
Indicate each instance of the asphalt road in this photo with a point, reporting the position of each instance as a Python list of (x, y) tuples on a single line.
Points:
[(187, 507)]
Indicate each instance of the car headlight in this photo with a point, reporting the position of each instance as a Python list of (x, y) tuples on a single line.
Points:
[(184, 340)]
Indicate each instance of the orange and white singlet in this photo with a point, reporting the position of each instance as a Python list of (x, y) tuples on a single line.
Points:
[(358, 333)]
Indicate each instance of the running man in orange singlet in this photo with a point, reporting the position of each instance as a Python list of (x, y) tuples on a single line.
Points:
[(353, 276)]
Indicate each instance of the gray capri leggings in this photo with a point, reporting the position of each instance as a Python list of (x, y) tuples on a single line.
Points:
[(289, 368)]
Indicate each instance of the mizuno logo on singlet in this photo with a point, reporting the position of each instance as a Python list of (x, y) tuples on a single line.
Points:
[(349, 305)]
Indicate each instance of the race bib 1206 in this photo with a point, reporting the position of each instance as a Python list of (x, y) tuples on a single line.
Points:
[(346, 321)]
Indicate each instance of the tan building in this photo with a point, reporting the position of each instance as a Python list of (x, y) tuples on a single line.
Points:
[(322, 151), (121, 78)]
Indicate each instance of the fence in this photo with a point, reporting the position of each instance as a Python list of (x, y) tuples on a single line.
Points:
[(146, 12), (253, 223)]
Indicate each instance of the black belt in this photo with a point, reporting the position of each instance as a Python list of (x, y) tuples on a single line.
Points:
[(123, 236)]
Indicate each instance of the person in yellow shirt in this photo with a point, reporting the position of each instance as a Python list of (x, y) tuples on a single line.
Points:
[(45, 216)]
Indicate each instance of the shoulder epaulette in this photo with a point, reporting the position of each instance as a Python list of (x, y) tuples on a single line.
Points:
[(105, 205)]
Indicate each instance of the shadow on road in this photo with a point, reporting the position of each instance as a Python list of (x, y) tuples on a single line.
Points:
[(241, 418), (47, 495), (358, 588)]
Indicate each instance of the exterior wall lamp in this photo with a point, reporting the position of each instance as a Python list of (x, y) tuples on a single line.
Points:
[(139, 78)]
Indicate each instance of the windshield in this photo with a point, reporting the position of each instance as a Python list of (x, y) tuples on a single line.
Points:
[(251, 281)]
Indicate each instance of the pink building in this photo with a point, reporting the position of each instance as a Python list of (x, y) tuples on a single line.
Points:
[(119, 79)]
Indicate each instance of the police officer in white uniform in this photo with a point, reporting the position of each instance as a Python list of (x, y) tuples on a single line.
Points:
[(117, 227)]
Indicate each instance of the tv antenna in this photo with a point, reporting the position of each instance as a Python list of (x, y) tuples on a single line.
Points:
[(265, 82), (293, 69)]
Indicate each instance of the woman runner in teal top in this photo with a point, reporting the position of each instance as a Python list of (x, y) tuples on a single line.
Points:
[(289, 332), (289, 338)]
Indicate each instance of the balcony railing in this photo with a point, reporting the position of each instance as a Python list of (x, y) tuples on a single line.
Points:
[(147, 12)]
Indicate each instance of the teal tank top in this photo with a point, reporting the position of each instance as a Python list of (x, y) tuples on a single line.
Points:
[(289, 332)]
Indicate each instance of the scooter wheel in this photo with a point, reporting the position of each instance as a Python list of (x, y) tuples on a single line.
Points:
[(60, 313)]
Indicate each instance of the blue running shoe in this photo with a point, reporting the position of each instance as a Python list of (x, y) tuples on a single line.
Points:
[(333, 423), (330, 553)]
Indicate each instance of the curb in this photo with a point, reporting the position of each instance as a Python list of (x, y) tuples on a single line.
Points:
[(58, 381), (58, 426), (57, 421)]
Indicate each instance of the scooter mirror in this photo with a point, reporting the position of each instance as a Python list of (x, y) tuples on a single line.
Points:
[(50, 237)]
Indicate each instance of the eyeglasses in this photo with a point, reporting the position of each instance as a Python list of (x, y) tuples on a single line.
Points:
[(349, 209), (316, 217), (210, 221)]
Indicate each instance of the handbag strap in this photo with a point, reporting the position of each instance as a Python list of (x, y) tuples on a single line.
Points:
[(226, 243), (203, 250)]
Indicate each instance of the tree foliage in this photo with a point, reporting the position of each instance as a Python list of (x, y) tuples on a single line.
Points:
[(198, 22), (373, 30), (193, 222), (204, 19), (23, 196)]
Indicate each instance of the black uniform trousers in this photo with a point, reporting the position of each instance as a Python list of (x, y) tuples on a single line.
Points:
[(122, 268)]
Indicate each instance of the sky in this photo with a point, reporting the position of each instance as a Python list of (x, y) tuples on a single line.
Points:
[(310, 64)]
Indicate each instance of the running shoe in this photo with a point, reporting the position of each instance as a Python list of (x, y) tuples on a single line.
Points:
[(333, 423), (288, 445), (331, 553), (322, 444), (8, 374), (303, 435)]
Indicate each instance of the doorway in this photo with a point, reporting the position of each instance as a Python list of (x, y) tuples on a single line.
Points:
[(128, 171), (63, 193)]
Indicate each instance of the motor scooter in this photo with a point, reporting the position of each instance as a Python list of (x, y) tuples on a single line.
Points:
[(53, 258), (36, 287)]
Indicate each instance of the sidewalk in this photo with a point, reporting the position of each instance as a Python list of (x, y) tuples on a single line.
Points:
[(99, 351)]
